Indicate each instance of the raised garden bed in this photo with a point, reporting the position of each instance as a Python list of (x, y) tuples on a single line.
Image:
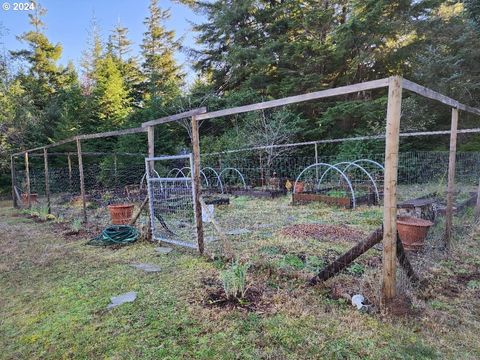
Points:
[(342, 201), (260, 193), (216, 200)]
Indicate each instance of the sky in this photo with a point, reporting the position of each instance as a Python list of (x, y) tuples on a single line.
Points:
[(68, 23)]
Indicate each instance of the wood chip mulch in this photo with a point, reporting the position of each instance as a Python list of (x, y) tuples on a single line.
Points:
[(323, 232)]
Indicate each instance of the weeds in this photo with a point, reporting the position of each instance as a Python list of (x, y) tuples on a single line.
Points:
[(234, 280), (76, 225)]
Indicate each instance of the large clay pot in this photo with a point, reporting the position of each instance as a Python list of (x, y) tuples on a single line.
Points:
[(412, 231), (33, 198), (299, 186), (121, 214)]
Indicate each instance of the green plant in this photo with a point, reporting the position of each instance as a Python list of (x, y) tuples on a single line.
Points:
[(292, 261), (76, 225), (234, 279), (474, 284), (356, 269), (337, 193), (43, 212)]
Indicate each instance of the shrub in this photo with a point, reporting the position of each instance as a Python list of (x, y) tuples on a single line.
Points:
[(234, 280)]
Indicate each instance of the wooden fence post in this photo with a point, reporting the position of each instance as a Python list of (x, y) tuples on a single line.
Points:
[(27, 175), (477, 206), (151, 145), (69, 159), (451, 178), (82, 180), (12, 170), (47, 180), (197, 188), (390, 189)]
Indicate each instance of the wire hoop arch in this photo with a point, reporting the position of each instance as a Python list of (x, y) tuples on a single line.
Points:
[(345, 177), (362, 169), (219, 181), (235, 170)]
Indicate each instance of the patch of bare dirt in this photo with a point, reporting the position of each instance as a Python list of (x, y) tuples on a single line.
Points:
[(253, 301), (401, 306), (323, 232)]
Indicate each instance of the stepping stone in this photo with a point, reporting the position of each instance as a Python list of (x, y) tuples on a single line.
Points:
[(163, 250), (238, 232), (122, 299), (210, 239), (264, 226), (146, 267)]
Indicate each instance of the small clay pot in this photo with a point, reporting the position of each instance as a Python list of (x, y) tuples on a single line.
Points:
[(299, 186)]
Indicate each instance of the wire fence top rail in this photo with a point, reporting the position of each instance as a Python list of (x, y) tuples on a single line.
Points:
[(357, 138)]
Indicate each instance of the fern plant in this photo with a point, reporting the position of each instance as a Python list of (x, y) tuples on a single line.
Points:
[(234, 280)]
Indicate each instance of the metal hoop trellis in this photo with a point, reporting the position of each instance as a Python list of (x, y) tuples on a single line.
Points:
[(345, 177), (235, 170)]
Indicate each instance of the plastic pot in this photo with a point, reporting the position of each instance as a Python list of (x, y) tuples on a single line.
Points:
[(412, 231), (121, 214)]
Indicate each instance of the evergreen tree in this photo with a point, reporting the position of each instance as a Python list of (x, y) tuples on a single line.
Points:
[(91, 56), (119, 47), (111, 98), (164, 76)]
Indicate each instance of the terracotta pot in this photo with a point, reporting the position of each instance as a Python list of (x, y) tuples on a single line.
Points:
[(33, 198), (412, 231), (121, 214), (299, 186)]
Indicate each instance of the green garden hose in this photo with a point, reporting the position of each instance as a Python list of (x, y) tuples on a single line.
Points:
[(115, 235)]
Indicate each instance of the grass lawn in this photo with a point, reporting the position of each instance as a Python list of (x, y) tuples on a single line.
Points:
[(55, 290)]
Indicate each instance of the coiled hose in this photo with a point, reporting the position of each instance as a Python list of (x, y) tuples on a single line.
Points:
[(115, 235)]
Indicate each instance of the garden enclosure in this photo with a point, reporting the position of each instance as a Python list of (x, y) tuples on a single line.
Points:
[(264, 168)]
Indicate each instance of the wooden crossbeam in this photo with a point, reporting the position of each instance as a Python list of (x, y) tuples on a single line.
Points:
[(342, 90), (175, 117), (431, 94)]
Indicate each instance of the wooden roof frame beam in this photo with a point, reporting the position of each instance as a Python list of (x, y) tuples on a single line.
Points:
[(86, 137), (175, 117), (342, 90), (430, 94)]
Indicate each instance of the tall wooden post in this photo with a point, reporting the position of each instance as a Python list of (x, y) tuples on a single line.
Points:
[(82, 180), (47, 179), (151, 146), (197, 188), (390, 189), (451, 178), (69, 159), (14, 193), (27, 177), (316, 161), (477, 206)]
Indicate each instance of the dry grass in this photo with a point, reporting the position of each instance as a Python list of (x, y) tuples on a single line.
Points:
[(54, 294)]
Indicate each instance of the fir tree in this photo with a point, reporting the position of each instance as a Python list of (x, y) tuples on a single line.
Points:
[(164, 76)]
